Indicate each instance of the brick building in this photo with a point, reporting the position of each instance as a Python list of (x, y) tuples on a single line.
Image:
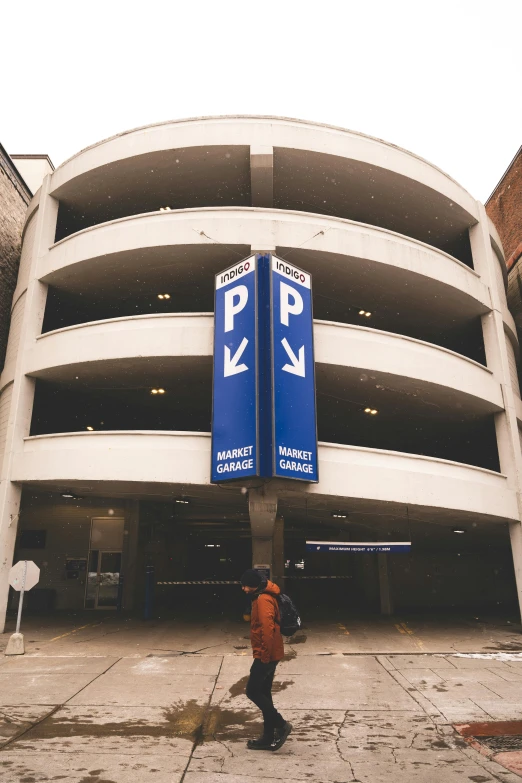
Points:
[(14, 198), (504, 207)]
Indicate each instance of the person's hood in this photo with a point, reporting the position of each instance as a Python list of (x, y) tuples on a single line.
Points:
[(271, 588)]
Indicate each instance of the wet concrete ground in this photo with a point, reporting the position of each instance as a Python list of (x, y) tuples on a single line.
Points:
[(93, 633), (121, 700)]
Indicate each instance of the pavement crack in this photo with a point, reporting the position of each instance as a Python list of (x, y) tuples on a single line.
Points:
[(210, 647), (352, 771), (338, 738), (56, 708), (24, 731), (415, 735), (220, 742), (198, 739)]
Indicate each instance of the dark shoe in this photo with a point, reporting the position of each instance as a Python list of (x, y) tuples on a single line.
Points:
[(263, 743), (281, 736)]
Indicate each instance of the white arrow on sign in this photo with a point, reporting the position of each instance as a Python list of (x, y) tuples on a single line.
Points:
[(298, 364), (231, 362)]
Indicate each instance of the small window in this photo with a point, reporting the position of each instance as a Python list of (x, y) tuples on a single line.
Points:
[(32, 539)]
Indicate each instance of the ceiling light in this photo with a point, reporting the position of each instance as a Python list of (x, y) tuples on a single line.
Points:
[(164, 209), (163, 296), (367, 410), (367, 315), (458, 530), (160, 296), (182, 500), (161, 391), (374, 411), (339, 514), (68, 495), (91, 429), (362, 312)]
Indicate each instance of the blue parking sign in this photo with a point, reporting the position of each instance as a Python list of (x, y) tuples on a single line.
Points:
[(293, 373), (234, 403)]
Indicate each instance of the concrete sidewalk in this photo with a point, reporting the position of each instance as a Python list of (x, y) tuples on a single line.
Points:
[(92, 633), (172, 717)]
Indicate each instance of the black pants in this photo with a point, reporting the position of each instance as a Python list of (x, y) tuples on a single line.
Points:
[(259, 690)]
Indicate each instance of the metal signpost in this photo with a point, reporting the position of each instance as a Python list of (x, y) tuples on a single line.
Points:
[(234, 405), (22, 577), (293, 373), (263, 416)]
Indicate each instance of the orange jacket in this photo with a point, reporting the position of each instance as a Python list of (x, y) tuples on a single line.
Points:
[(265, 635)]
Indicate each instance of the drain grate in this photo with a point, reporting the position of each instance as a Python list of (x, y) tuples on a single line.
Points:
[(503, 742)]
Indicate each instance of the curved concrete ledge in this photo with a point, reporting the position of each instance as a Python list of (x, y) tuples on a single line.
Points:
[(459, 380), (112, 249), (518, 410), (135, 337), (134, 459), (450, 378), (496, 241), (511, 329), (395, 477), (146, 456), (276, 132), (31, 209)]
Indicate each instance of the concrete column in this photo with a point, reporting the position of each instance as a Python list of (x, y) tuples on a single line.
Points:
[(384, 583), (262, 176), (278, 575), (515, 535), (130, 553), (20, 412), (506, 425), (262, 506)]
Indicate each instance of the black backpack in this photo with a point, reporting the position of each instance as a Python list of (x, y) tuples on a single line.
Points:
[(289, 620)]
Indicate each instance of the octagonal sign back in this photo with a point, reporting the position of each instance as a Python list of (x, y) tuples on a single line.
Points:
[(16, 575)]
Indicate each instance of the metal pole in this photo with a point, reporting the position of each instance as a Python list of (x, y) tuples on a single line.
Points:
[(149, 591), (21, 600), (119, 601)]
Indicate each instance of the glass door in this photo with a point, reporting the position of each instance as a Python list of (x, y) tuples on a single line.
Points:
[(103, 577)]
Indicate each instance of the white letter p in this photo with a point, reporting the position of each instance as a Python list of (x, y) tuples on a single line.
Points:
[(296, 308), (239, 292)]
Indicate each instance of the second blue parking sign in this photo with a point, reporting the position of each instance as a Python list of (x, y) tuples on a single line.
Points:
[(293, 373)]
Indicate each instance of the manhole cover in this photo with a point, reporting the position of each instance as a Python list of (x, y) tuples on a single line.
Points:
[(503, 742)]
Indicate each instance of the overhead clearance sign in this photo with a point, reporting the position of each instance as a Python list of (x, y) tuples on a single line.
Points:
[(358, 546), (264, 413)]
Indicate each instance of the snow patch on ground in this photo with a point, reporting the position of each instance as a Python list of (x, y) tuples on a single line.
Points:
[(500, 656)]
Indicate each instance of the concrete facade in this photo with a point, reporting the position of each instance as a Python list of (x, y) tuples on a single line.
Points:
[(33, 168), (158, 211)]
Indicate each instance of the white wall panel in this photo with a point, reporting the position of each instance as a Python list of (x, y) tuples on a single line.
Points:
[(5, 407)]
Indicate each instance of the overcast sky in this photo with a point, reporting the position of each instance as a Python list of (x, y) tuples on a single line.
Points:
[(442, 79)]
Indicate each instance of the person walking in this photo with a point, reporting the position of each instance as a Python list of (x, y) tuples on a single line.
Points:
[(267, 648)]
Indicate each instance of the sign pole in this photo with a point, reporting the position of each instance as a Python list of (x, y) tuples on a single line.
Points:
[(20, 602), (22, 577)]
